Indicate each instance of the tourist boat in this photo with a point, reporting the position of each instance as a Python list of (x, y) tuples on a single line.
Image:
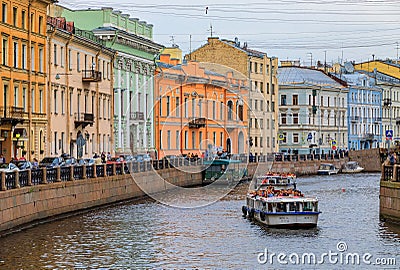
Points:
[(279, 205), (352, 167), (327, 169)]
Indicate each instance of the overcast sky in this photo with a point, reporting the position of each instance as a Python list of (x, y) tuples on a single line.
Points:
[(287, 29)]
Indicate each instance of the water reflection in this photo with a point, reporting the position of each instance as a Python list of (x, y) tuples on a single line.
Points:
[(147, 234)]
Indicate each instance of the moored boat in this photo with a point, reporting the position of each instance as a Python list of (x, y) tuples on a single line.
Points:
[(280, 205), (352, 167), (327, 169)]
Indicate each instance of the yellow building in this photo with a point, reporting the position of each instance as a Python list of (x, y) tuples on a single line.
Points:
[(80, 98), (23, 78), (199, 111), (260, 70)]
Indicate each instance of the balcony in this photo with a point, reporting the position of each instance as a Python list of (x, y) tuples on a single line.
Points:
[(387, 102), (368, 137), (91, 76), (12, 115), (197, 123), (355, 118), (397, 121), (137, 116), (83, 119), (378, 120)]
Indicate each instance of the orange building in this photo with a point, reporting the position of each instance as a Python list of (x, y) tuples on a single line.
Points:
[(199, 111), (23, 78)]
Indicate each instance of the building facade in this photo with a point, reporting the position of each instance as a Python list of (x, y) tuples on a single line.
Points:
[(80, 98), (386, 75), (312, 111), (261, 71), (364, 110), (133, 73), (23, 78), (199, 111)]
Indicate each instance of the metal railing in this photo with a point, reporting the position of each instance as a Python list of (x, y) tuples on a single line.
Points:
[(12, 180)]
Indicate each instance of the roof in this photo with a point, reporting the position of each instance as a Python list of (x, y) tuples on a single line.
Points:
[(300, 75)]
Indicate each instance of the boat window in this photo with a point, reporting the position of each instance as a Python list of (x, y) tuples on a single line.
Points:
[(293, 207), (307, 206), (315, 206), (270, 207), (281, 207)]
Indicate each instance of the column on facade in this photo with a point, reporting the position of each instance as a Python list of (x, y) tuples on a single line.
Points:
[(128, 110), (119, 132), (151, 113), (137, 108), (144, 111)]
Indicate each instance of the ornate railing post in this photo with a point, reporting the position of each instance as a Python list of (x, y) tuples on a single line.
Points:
[(44, 177), (94, 171), (29, 178), (3, 181), (17, 184), (71, 174), (114, 169), (58, 174), (84, 176)]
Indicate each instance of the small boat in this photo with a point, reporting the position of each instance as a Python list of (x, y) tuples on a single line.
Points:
[(275, 203), (327, 169), (352, 167)]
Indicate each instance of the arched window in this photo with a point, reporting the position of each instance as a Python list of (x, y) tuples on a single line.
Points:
[(230, 107)]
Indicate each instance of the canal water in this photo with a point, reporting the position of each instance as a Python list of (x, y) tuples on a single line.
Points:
[(146, 234)]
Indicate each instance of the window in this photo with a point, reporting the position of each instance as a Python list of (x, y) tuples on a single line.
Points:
[(62, 102), (283, 100), (33, 56), (186, 107), (24, 56), (177, 107), (268, 88), (283, 118), (93, 103), (273, 106), (41, 60), (273, 89), (255, 105), (33, 99), (70, 102), (15, 96), (200, 140), (186, 140), (55, 101), (214, 107), (295, 118), (15, 16), (40, 24), (284, 137), (256, 141), (215, 138), (169, 139), (193, 107), (23, 19), (221, 138), (221, 111), (4, 13), (41, 101), (261, 105), (70, 59), (168, 106), (261, 68), (262, 87), (78, 61), (177, 139), (15, 54), (55, 55), (55, 142), (24, 98), (295, 100), (193, 140), (62, 56), (255, 67), (32, 21), (261, 141), (230, 105), (5, 52), (295, 137)]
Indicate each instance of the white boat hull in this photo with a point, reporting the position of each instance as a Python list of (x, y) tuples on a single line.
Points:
[(352, 170), (286, 220)]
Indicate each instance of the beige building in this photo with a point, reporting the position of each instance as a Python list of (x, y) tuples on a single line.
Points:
[(263, 95), (80, 95)]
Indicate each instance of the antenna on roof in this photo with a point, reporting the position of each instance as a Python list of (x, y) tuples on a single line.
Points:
[(173, 41), (211, 30)]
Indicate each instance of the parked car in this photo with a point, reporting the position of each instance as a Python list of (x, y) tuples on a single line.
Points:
[(142, 157), (51, 162), (70, 162), (8, 167), (85, 161), (116, 160), (24, 165)]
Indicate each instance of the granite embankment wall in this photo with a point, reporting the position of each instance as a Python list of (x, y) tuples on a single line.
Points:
[(369, 159), (33, 203), (389, 200)]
